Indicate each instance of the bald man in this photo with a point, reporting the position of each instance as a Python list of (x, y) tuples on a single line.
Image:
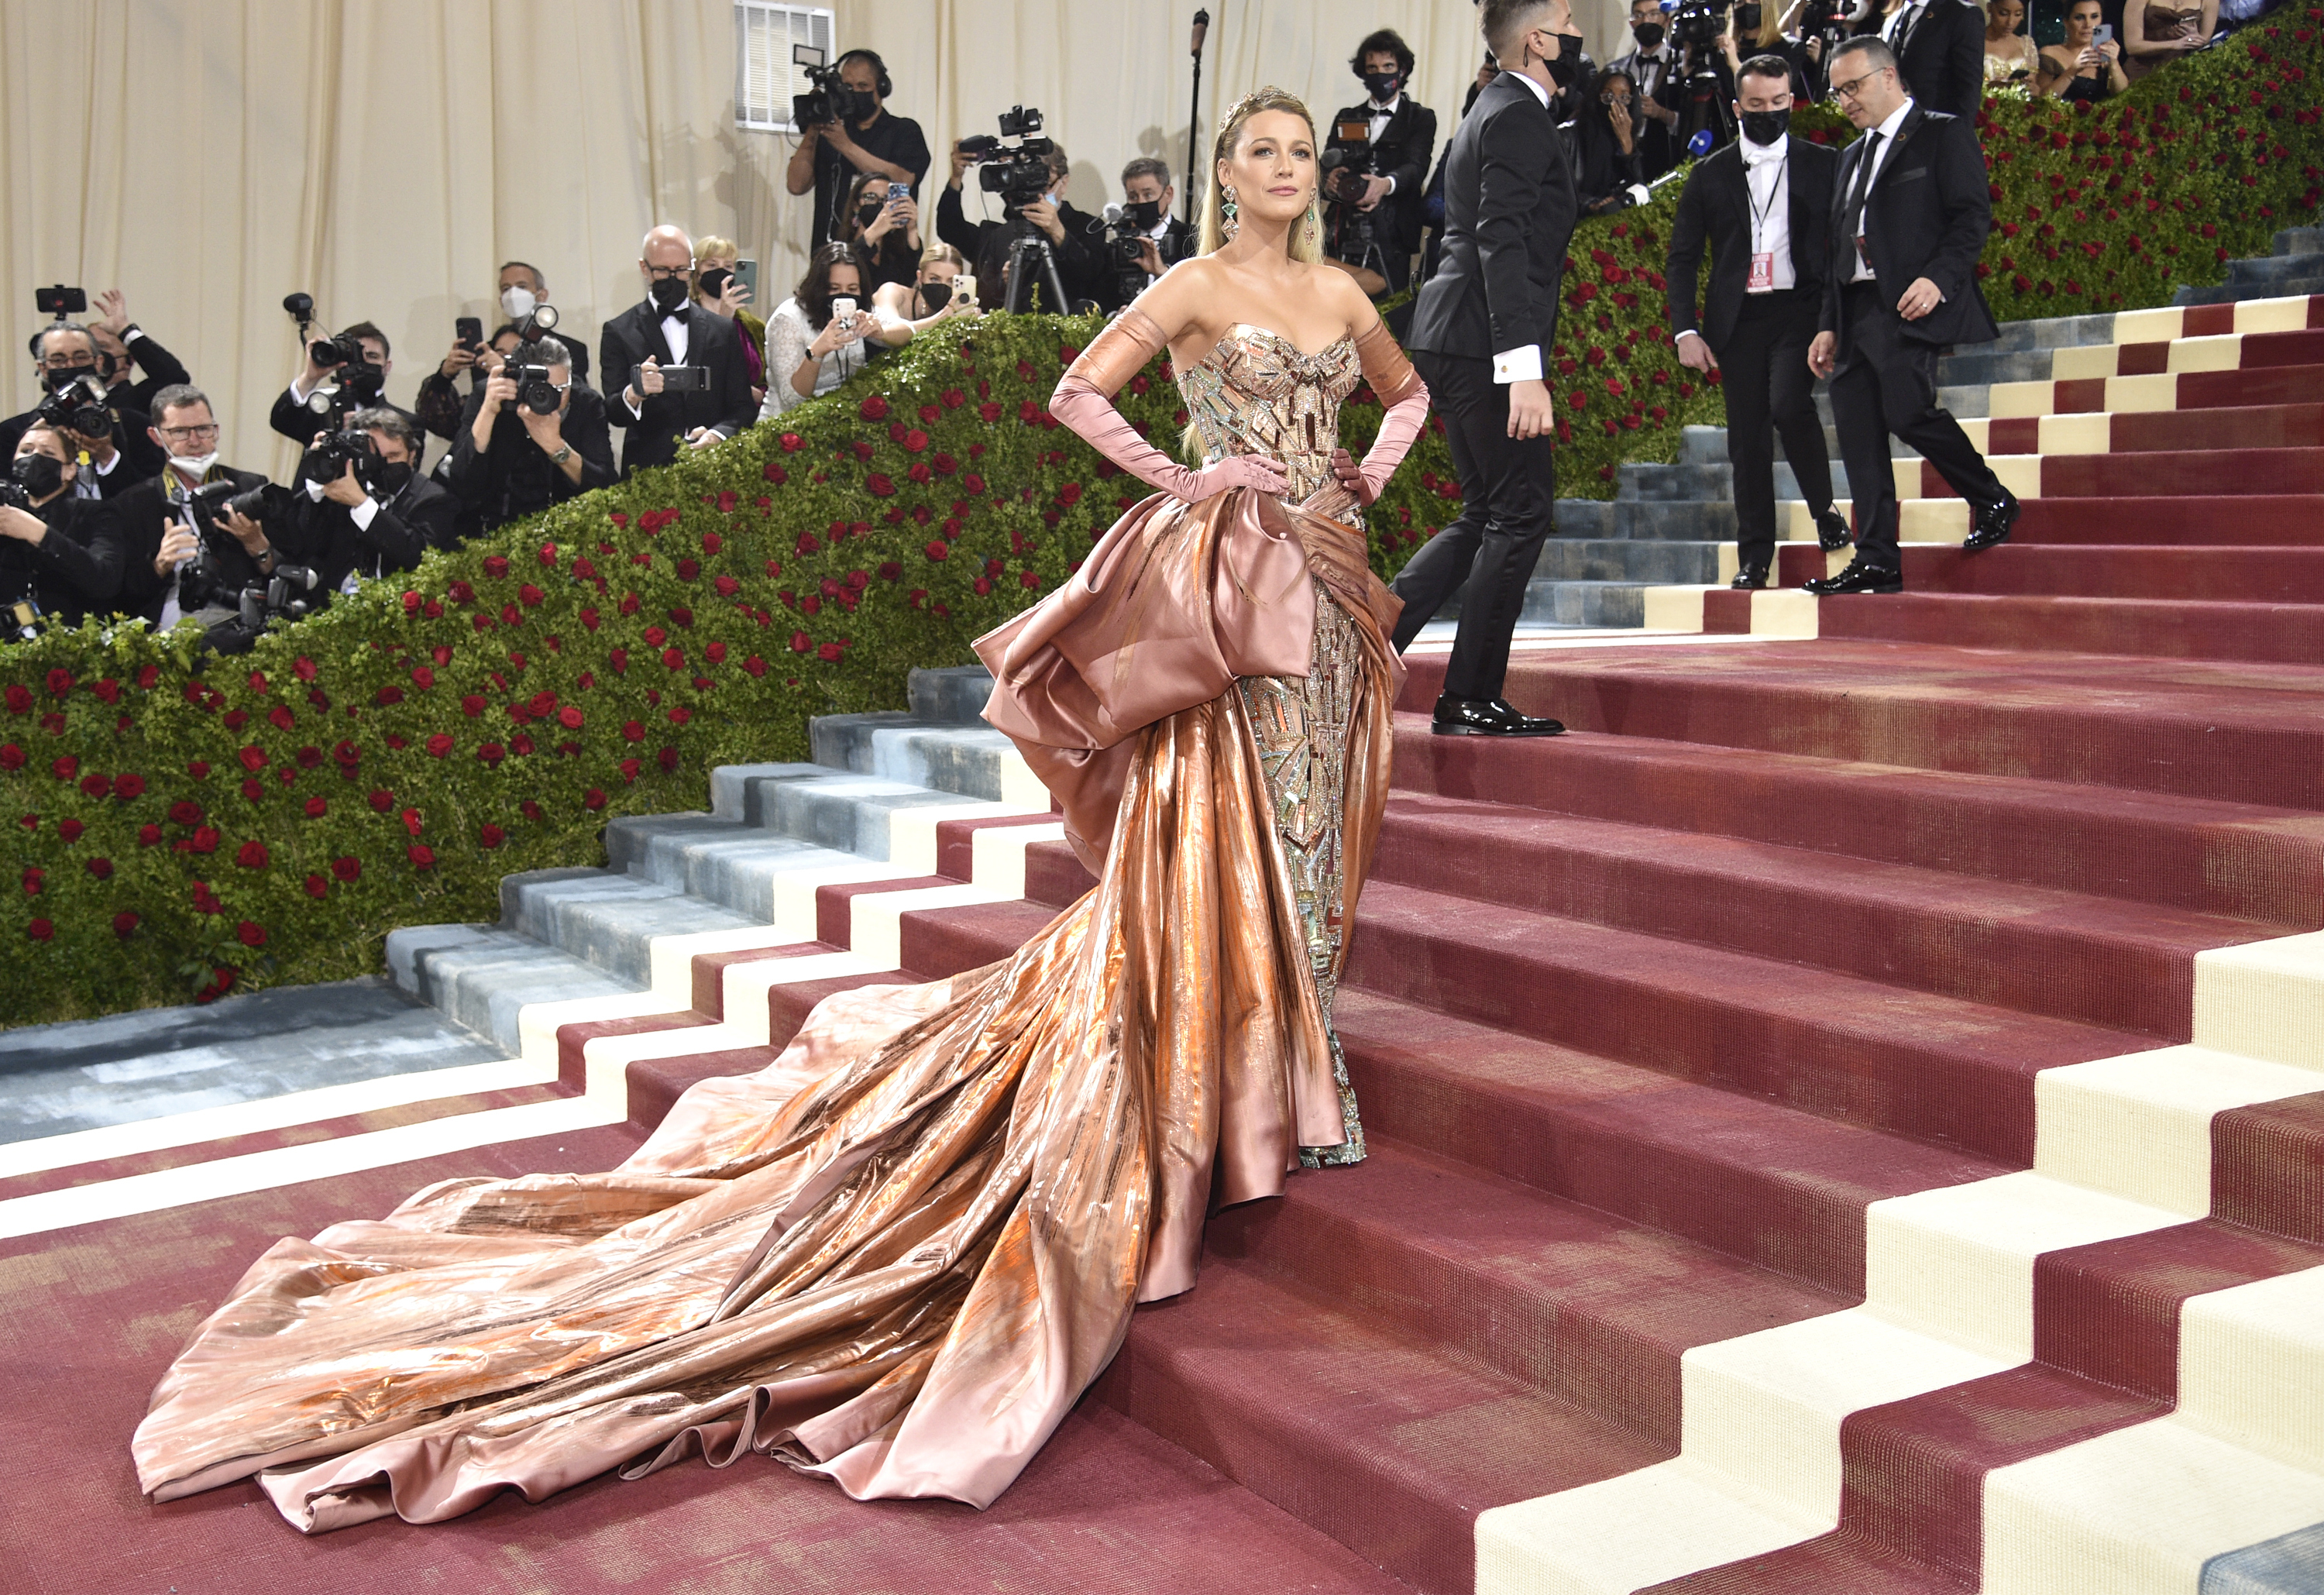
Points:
[(669, 331)]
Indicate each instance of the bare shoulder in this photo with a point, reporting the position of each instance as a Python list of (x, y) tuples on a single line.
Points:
[(1343, 295), (1175, 299)]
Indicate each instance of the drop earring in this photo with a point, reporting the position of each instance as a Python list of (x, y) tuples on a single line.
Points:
[(1227, 214), (1313, 226)]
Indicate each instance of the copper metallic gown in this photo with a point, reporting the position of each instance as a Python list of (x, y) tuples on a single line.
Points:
[(898, 1254)]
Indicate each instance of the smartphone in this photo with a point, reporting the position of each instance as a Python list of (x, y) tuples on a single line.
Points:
[(59, 301), (842, 308), (2105, 35), (677, 379), (748, 271), (964, 288), (468, 332), (898, 191)]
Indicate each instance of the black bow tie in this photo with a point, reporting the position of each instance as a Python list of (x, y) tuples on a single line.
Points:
[(679, 314)]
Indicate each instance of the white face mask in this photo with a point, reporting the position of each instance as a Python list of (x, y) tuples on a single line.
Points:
[(518, 302), (193, 466)]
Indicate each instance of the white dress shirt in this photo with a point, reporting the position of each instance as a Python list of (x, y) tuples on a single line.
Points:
[(1879, 157), (1767, 176), (1521, 365), (1900, 23), (1380, 120)]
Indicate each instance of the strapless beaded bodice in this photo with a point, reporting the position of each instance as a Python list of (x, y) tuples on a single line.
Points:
[(1259, 392)]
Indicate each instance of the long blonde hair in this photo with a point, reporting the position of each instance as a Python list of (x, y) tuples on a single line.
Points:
[(1307, 238)]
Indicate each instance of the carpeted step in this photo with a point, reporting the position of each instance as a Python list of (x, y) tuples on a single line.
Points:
[(2255, 863), (2095, 960), (2156, 628), (2226, 427), (2294, 520), (1912, 1063), (2242, 733), (2159, 472), (2151, 390), (2256, 575)]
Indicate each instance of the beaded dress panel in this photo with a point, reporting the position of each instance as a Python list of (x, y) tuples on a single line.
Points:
[(1259, 392)]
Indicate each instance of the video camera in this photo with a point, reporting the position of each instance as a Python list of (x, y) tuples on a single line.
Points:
[(1695, 27), (830, 100), (1347, 161), (1827, 20), (1018, 173), (327, 461), (77, 405)]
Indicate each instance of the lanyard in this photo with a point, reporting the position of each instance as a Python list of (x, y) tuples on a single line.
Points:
[(1759, 213)]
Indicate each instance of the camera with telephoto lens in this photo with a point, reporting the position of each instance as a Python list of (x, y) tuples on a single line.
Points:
[(830, 100), (328, 460), (78, 406), (283, 596), (1128, 228), (1018, 173)]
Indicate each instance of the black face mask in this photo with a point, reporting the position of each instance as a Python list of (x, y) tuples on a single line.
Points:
[(1567, 65), (1747, 21), (867, 213), (1380, 84), (393, 476), (57, 380), (1765, 127), (854, 104), (668, 293), (1649, 35), (1143, 214), (935, 297), (40, 474)]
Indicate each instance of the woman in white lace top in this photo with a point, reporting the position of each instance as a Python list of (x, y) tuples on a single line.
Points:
[(809, 350)]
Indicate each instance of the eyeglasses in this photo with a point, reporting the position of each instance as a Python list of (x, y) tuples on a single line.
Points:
[(188, 434), (67, 363), (1850, 90), (664, 273)]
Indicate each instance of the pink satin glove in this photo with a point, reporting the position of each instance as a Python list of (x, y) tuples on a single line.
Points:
[(1364, 483), (1089, 413), (1254, 471)]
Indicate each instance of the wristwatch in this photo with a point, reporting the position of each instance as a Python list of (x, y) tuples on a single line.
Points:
[(564, 452)]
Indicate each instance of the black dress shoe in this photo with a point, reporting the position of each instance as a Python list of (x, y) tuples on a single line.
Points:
[(1487, 718), (1750, 575), (1994, 523), (1831, 530), (1859, 577)]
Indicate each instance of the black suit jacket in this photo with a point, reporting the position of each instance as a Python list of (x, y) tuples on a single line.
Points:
[(1927, 215), (162, 370), (1508, 213), (141, 457), (295, 421), (73, 572), (323, 536), (1942, 62), (513, 478), (1715, 206), (658, 433), (1402, 151), (140, 513)]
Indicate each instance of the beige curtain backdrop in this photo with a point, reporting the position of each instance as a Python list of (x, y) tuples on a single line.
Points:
[(209, 156)]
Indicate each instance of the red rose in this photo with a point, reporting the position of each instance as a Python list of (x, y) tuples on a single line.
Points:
[(12, 757), (439, 745), (41, 930), (530, 596), (20, 700), (592, 799), (688, 569), (988, 412), (633, 731), (66, 767), (316, 808), (345, 869), (149, 835), (389, 695), (492, 835), (673, 658), (801, 642), (70, 830), (879, 486), (492, 753), (680, 715), (629, 768), (422, 856), (618, 661), (1027, 579), (251, 855), (317, 886), (936, 550), (347, 755), (716, 653), (666, 758), (791, 441), (874, 408), (916, 441), (34, 878), (829, 654), (974, 484), (101, 868), (250, 933), (569, 718), (422, 677), (124, 924), (61, 682), (755, 666), (495, 566)]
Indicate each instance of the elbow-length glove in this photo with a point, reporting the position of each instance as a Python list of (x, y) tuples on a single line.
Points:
[(1084, 402), (1406, 397)]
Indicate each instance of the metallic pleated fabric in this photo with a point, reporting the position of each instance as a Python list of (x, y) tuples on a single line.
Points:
[(898, 1254)]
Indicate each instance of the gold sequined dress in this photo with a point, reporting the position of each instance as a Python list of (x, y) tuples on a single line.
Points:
[(898, 1254)]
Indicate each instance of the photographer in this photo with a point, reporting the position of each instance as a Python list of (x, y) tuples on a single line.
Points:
[(362, 509), (514, 456), (814, 342), (356, 363), (60, 553), (188, 552), (859, 139), (83, 411), (934, 296), (666, 329), (1653, 70), (1373, 195), (1940, 50), (1039, 210), (1607, 166), (1756, 29), (122, 343), (1160, 239), (522, 291)]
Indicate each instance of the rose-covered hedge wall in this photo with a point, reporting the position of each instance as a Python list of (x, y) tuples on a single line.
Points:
[(172, 828)]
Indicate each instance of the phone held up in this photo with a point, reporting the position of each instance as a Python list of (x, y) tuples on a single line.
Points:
[(675, 379), (468, 332)]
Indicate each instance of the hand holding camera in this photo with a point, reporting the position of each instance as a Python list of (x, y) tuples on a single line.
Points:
[(845, 327), (648, 381), (178, 545), (21, 524), (346, 488), (500, 390)]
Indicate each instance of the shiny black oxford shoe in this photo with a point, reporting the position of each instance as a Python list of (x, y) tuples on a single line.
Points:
[(1750, 575), (1994, 524), (1488, 717), (1859, 577), (1831, 530)]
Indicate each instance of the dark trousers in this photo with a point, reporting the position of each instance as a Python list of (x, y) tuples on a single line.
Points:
[(1508, 491), (1888, 383), (1763, 373)]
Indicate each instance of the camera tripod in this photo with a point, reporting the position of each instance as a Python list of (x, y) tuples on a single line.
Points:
[(1029, 253), (1705, 105)]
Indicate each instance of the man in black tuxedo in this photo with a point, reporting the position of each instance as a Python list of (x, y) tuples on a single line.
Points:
[(1763, 202), (1479, 333), (1940, 50), (665, 329), (1912, 214), (1399, 136)]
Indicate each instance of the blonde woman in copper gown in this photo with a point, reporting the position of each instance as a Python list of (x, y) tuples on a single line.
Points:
[(898, 1255)]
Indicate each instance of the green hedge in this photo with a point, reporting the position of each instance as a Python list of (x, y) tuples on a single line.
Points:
[(173, 830)]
